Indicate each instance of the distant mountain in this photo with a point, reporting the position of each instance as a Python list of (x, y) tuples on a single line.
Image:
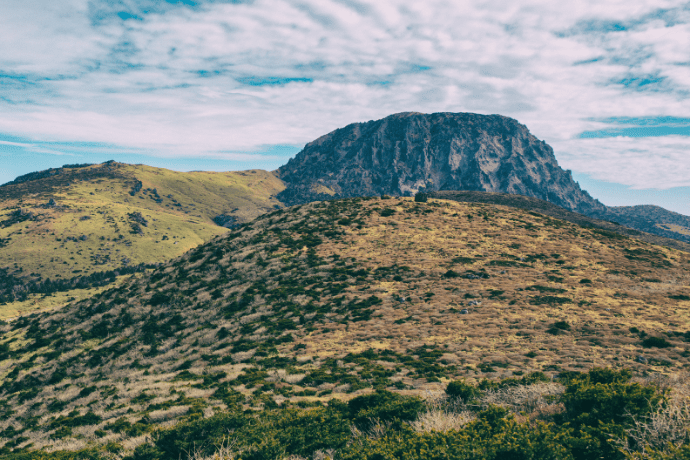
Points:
[(650, 219), (552, 210), (407, 153), (81, 225)]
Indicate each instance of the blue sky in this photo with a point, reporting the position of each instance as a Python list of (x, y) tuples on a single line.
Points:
[(223, 85)]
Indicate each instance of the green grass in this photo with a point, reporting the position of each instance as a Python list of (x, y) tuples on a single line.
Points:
[(92, 228)]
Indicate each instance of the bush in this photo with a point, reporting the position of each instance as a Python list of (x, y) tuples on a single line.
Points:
[(421, 197), (271, 434), (599, 406), (384, 405), (461, 389), (558, 327), (198, 434), (657, 342), (494, 436), (387, 212)]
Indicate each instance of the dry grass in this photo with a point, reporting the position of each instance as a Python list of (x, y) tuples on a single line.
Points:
[(442, 420), (669, 426), (532, 399), (494, 326)]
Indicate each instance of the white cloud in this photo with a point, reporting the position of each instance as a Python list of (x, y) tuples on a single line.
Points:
[(606, 159), (183, 81)]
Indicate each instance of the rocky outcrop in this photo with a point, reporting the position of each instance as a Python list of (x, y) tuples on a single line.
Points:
[(408, 153)]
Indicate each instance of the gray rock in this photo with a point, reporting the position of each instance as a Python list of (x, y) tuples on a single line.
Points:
[(409, 153), (641, 359)]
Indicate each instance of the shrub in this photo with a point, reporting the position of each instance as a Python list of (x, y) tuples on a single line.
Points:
[(451, 274), (195, 435), (461, 389), (657, 342), (493, 436), (558, 327), (421, 197), (384, 405), (599, 407)]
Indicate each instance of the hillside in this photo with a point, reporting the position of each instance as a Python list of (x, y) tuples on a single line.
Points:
[(652, 219), (411, 152), (330, 300), (79, 226), (552, 210)]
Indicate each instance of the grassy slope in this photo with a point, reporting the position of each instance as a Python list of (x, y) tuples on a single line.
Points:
[(306, 304), (96, 205)]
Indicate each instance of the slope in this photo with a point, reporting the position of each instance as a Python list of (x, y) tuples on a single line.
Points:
[(407, 153), (552, 210), (74, 226), (333, 299)]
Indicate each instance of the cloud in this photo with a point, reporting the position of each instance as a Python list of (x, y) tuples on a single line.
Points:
[(629, 158), (205, 78), (640, 127)]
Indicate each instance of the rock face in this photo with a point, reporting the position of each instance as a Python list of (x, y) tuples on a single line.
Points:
[(407, 153)]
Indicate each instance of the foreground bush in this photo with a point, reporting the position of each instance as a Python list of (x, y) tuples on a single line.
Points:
[(494, 435), (599, 414), (600, 407)]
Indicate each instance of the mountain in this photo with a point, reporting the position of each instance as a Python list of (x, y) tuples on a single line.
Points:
[(82, 225), (74, 229), (407, 153), (330, 300)]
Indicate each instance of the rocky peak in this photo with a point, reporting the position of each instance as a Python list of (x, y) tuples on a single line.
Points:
[(411, 152)]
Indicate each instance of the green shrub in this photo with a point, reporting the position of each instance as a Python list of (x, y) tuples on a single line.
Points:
[(201, 434), (494, 436), (558, 327), (421, 197), (384, 405), (657, 342), (387, 212), (451, 274), (461, 389), (599, 406)]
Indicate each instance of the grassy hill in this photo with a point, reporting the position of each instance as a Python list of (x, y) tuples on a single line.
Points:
[(73, 222), (333, 300)]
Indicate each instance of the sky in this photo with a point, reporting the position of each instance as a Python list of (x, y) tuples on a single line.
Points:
[(235, 84)]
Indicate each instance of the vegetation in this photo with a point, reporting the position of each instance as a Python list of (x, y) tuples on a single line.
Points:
[(599, 414), (79, 226), (339, 325)]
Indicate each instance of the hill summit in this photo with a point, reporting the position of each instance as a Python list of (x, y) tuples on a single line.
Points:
[(411, 152), (334, 300), (408, 153)]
